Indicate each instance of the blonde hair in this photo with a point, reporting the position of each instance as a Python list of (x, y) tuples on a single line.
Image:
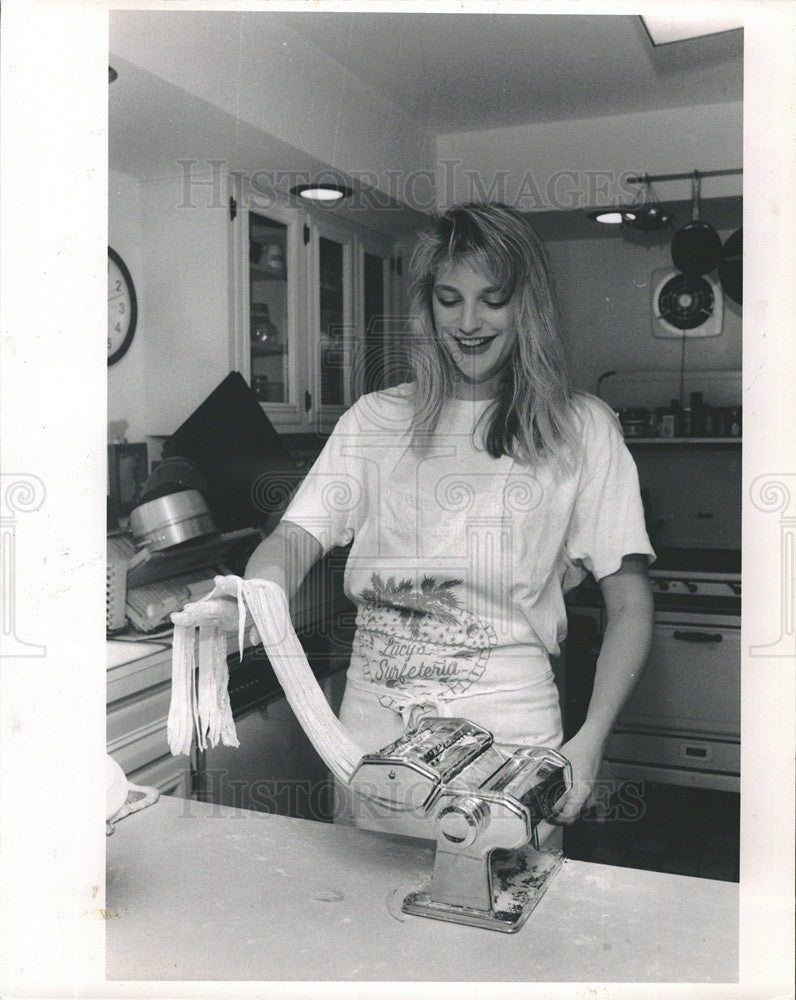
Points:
[(531, 418)]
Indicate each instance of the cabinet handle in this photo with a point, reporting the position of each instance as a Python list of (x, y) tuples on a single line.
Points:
[(308, 401), (698, 636)]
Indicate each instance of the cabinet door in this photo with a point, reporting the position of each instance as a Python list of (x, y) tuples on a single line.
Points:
[(691, 683), (382, 337), (334, 344), (270, 309)]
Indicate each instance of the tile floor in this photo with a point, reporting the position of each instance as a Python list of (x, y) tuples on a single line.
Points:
[(686, 831)]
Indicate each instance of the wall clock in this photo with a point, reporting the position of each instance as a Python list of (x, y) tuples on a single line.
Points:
[(122, 308)]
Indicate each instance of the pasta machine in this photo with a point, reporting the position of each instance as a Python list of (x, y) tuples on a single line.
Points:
[(485, 802)]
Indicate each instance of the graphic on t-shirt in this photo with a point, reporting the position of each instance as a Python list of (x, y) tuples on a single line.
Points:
[(420, 639)]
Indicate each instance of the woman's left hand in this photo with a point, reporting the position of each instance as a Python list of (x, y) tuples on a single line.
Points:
[(585, 753)]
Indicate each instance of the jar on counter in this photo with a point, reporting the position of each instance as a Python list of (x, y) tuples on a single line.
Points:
[(697, 414), (735, 421), (635, 421), (671, 420), (722, 428), (708, 422), (686, 427), (668, 424)]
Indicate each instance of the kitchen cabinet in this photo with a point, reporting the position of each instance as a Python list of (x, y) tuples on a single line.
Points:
[(310, 299), (681, 724), (137, 706)]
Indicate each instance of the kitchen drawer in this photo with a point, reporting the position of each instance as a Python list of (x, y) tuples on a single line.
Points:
[(127, 679), (140, 747), (170, 775), (134, 716), (675, 752)]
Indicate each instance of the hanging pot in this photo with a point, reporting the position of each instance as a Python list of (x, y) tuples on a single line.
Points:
[(696, 247), (731, 267)]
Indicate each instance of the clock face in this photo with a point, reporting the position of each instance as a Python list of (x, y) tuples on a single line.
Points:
[(122, 308)]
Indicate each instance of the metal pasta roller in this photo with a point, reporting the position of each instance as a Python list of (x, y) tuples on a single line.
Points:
[(486, 802)]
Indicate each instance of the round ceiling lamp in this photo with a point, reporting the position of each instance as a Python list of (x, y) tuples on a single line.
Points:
[(648, 218), (322, 192), (645, 214)]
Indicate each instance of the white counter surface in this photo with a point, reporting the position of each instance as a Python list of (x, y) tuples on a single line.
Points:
[(201, 892)]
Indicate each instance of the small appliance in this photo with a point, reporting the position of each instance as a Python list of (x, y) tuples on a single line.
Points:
[(486, 802)]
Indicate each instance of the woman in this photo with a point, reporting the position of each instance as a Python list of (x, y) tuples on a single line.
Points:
[(474, 497)]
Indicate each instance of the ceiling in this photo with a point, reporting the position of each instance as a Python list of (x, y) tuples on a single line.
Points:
[(460, 72), (447, 72)]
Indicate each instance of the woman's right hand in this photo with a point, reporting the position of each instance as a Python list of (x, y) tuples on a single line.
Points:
[(220, 608)]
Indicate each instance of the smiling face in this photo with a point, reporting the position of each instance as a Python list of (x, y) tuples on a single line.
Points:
[(474, 320)]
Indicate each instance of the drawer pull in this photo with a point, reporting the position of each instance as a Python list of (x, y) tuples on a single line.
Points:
[(698, 636), (695, 752)]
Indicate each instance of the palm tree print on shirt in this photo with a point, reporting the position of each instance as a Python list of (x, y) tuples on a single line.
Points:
[(420, 638)]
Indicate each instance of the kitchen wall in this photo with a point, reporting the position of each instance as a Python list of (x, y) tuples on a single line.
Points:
[(603, 287), (574, 164), (561, 168), (126, 400)]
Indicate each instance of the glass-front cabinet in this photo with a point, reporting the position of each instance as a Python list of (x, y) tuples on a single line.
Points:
[(312, 296), (333, 361), (383, 337), (268, 309)]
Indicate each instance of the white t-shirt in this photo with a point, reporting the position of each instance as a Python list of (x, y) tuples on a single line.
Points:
[(460, 561)]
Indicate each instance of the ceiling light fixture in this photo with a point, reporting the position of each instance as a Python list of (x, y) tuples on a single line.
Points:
[(325, 194), (611, 216), (647, 216)]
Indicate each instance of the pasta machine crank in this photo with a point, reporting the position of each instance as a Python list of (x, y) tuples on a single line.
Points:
[(485, 802)]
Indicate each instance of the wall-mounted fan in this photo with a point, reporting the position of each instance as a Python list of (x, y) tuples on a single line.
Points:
[(685, 305)]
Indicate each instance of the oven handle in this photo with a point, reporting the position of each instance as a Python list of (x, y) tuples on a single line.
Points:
[(697, 636)]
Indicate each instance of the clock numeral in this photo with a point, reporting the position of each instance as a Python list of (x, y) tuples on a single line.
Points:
[(122, 309), (118, 328)]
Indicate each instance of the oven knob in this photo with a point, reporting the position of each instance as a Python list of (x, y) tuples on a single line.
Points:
[(690, 587), (461, 823), (663, 585)]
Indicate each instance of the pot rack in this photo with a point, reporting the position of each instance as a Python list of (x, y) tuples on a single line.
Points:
[(655, 178), (650, 217)]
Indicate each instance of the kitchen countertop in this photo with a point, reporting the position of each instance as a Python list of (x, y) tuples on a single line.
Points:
[(203, 892)]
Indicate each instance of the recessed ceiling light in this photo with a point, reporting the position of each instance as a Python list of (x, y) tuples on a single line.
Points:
[(611, 217), (327, 194)]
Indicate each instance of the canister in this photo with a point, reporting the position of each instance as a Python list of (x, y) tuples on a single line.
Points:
[(708, 421), (635, 421), (668, 424), (686, 427), (722, 428)]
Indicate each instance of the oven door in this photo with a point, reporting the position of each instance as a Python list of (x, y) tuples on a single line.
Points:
[(682, 723)]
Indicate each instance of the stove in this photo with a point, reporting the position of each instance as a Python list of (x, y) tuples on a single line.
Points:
[(681, 724), (697, 580)]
